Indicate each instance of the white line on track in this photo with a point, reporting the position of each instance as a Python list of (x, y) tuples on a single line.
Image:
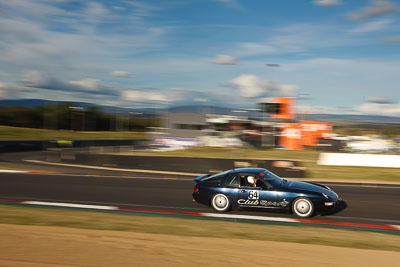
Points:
[(91, 203), (214, 215), (105, 176), (125, 177), (249, 217), (114, 169), (160, 207), (175, 178), (172, 173), (101, 207), (366, 219), (396, 226), (395, 186), (11, 171), (69, 205)]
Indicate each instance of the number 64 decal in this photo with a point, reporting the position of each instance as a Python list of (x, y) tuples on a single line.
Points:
[(253, 194)]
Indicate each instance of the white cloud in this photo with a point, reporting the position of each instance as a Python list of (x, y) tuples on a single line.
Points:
[(249, 48), (380, 100), (132, 95), (375, 9), (224, 60), (95, 12), (296, 38), (120, 74), (249, 85), (144, 96), (185, 97), (373, 26), (308, 109), (346, 81), (369, 108), (253, 86), (88, 84), (200, 99), (61, 40), (157, 97), (37, 9), (36, 79), (373, 106), (327, 2)]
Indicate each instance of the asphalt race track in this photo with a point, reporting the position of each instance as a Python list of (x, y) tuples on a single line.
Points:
[(365, 203)]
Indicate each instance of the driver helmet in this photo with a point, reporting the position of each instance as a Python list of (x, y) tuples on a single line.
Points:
[(250, 179)]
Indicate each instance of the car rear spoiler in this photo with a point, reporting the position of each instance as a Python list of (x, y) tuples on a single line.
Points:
[(201, 177)]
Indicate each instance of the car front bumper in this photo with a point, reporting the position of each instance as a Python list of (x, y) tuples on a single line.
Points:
[(330, 204)]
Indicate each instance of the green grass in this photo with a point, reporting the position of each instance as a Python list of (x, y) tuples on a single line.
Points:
[(231, 153), (16, 133), (352, 173), (308, 159), (10, 214)]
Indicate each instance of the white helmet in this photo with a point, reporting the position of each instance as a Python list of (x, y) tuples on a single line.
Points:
[(250, 179)]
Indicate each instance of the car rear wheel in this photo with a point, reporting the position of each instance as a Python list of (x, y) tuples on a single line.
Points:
[(303, 207), (220, 203)]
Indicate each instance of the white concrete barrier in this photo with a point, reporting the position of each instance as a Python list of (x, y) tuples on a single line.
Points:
[(364, 160)]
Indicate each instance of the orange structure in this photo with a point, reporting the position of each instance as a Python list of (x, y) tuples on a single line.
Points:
[(285, 108), (291, 136), (295, 136), (312, 131)]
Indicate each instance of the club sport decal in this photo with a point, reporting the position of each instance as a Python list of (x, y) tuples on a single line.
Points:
[(253, 199), (248, 202), (264, 203)]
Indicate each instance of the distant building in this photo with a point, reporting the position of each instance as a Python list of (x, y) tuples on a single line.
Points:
[(184, 125), (277, 126)]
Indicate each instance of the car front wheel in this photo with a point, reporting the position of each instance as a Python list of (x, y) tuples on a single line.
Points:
[(303, 207), (220, 203)]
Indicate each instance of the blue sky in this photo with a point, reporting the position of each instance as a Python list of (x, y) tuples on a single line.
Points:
[(336, 56)]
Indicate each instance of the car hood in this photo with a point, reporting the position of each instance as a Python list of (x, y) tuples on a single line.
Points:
[(310, 187)]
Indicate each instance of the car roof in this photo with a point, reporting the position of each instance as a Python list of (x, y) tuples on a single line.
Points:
[(248, 170)]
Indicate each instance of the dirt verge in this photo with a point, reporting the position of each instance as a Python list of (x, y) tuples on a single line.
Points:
[(32, 246)]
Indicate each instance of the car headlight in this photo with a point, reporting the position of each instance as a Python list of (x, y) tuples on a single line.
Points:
[(325, 195)]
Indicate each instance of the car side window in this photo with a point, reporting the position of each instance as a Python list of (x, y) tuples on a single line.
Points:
[(262, 184), (245, 183), (243, 180), (232, 181)]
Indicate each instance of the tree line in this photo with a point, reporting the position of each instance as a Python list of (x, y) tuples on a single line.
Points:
[(66, 116)]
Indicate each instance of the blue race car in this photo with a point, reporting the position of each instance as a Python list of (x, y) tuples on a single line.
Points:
[(260, 188)]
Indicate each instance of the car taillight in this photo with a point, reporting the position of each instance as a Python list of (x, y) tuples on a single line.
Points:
[(195, 190)]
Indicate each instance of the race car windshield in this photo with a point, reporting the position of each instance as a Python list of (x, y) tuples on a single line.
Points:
[(272, 179)]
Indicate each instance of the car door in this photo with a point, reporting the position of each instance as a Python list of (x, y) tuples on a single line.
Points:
[(260, 196)]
